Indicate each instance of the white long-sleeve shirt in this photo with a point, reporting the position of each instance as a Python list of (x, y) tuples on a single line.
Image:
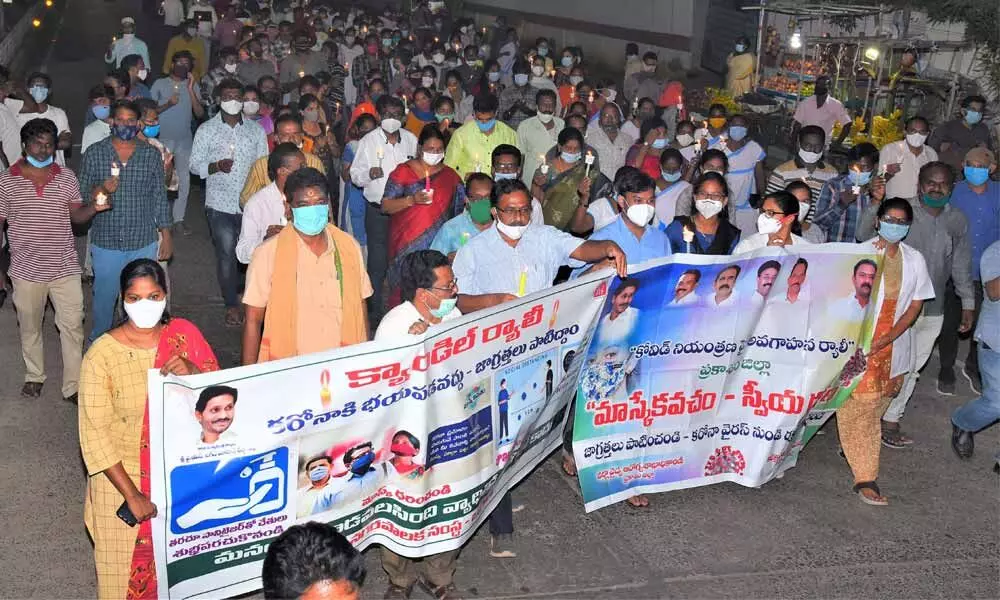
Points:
[(392, 156), (263, 209), (124, 47)]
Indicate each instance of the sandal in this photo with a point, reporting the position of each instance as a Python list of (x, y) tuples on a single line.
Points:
[(31, 389), (878, 500), (233, 317), (892, 437), (569, 465), (638, 501)]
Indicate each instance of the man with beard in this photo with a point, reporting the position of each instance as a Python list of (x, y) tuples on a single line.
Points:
[(215, 410), (684, 290), (725, 283)]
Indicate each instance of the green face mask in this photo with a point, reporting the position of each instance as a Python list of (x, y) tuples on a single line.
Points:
[(936, 202), (440, 118), (479, 210)]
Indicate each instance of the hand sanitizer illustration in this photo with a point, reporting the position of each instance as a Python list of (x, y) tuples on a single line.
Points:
[(268, 474)]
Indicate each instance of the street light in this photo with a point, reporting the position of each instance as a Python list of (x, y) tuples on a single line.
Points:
[(36, 22), (48, 3), (872, 53), (796, 42)]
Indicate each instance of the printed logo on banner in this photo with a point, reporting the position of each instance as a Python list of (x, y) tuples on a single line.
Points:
[(220, 492)]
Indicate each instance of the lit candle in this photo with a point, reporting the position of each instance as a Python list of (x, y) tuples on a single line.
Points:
[(465, 239), (856, 189), (522, 284), (301, 73), (591, 99), (405, 107), (101, 199), (688, 234), (635, 105), (436, 39), (545, 166), (115, 170), (427, 179), (232, 151), (589, 160)]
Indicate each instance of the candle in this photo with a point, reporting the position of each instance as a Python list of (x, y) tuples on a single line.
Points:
[(591, 99), (405, 107), (115, 170), (436, 39), (479, 165), (545, 166), (856, 189), (347, 67), (232, 151), (688, 238), (635, 105), (301, 73), (465, 239), (522, 284), (101, 199), (427, 179), (588, 160)]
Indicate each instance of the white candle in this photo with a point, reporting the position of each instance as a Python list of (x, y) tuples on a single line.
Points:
[(588, 160), (115, 170), (101, 199)]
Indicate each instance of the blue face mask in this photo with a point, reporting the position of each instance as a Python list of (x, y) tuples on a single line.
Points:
[(973, 116), (503, 176), (543, 51), (660, 143), (39, 93), (976, 175), (859, 177), (447, 305), (740, 47), (671, 177), (151, 130), (310, 220), (125, 132), (319, 473), (570, 157), (101, 111), (737, 132), (488, 125), (361, 464), (567, 61), (38, 164), (892, 232)]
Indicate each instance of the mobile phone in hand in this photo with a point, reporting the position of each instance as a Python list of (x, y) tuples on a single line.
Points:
[(125, 514)]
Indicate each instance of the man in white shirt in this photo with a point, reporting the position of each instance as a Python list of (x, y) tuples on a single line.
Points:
[(854, 306), (265, 214), (684, 290), (39, 86), (429, 291), (101, 98), (617, 326), (901, 161), (766, 274), (537, 135), (611, 144), (824, 111), (322, 493), (724, 284), (215, 411), (378, 154)]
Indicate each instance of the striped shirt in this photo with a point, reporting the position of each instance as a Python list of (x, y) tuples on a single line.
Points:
[(41, 236), (788, 172), (140, 205)]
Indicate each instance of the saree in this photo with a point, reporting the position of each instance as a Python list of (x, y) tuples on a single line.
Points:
[(739, 79), (561, 195), (179, 338), (414, 228)]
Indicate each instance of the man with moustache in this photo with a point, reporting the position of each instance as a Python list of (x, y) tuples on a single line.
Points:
[(854, 306), (684, 290), (215, 411), (725, 283), (766, 275), (795, 280)]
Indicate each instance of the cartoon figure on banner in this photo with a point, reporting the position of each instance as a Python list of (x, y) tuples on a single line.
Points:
[(236, 489), (521, 394), (475, 393), (684, 291)]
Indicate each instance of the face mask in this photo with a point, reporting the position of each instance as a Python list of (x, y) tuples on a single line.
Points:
[(386, 42), (892, 232), (976, 175), (191, 31), (311, 115), (125, 132), (317, 474), (391, 125), (39, 93), (611, 95), (38, 164), (361, 464), (575, 79), (803, 210), (648, 68), (232, 107), (935, 202), (372, 49), (432, 159), (448, 117), (973, 116), (670, 177), (514, 232), (810, 157), (659, 143), (310, 220), (230, 68), (251, 107), (717, 122), (716, 171), (767, 225), (493, 76), (151, 130), (447, 305), (708, 208), (128, 37), (180, 71), (640, 214), (859, 177), (504, 176), (375, 96), (427, 82), (101, 111), (570, 157), (479, 211), (545, 118), (567, 61), (737, 132), (520, 79), (916, 140), (349, 40), (538, 70), (543, 51), (403, 448), (740, 47), (488, 125), (685, 139), (145, 313), (438, 59), (143, 73)]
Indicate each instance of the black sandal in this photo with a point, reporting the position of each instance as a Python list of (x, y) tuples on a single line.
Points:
[(870, 485)]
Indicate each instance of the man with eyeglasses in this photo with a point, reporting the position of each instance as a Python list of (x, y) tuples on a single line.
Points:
[(507, 162), (515, 258)]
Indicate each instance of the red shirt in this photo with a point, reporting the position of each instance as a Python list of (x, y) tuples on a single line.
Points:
[(41, 236)]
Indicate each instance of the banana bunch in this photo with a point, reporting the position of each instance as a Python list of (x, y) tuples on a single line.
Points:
[(723, 97)]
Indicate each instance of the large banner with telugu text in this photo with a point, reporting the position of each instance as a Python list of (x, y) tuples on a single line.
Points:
[(707, 369), (408, 444)]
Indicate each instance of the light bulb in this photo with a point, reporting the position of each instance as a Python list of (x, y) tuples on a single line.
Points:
[(796, 42), (872, 53)]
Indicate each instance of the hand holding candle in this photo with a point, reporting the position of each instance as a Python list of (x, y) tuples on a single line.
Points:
[(115, 169), (522, 284), (588, 160)]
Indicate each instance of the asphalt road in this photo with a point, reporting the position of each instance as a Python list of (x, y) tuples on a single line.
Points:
[(804, 536)]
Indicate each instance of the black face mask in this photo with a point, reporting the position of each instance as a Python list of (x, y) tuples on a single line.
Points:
[(180, 71)]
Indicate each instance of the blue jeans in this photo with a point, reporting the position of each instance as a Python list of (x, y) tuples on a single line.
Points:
[(225, 230), (108, 265), (982, 411)]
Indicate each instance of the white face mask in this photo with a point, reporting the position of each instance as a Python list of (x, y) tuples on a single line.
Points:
[(250, 107), (230, 68), (685, 139), (803, 210), (391, 125), (145, 313), (232, 107), (427, 82), (575, 79), (810, 158), (545, 118), (142, 74), (767, 225), (640, 214), (611, 95), (708, 208), (432, 159), (514, 232), (538, 70), (438, 59), (916, 140)]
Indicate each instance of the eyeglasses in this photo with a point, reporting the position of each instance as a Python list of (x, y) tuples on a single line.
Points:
[(894, 221), (770, 213), (523, 212), (716, 197), (451, 287)]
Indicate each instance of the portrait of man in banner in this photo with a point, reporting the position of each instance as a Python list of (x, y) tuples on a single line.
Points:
[(724, 287), (215, 411), (684, 291)]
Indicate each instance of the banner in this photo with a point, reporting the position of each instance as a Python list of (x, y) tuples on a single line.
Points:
[(706, 369), (408, 444)]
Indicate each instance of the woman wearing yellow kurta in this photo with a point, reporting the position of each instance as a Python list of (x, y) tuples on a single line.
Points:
[(114, 426), (739, 79)]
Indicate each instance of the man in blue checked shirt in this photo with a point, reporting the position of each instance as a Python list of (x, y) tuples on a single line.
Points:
[(225, 147), (845, 197)]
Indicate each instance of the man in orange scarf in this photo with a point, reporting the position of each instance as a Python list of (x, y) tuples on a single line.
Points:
[(306, 286)]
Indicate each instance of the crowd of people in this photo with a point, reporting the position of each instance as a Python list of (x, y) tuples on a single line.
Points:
[(368, 176)]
